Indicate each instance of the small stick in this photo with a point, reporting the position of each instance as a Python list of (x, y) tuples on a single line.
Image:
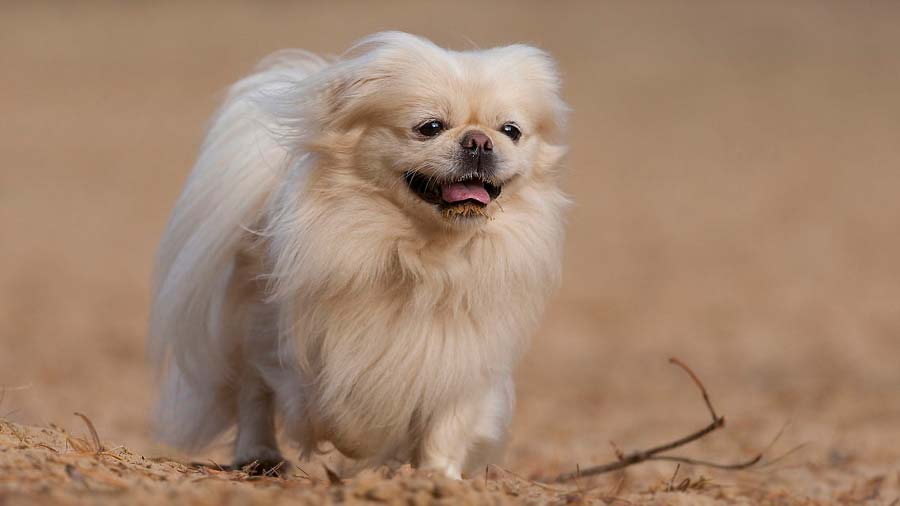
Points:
[(274, 471), (636, 457), (619, 454), (306, 475), (699, 384), (672, 479), (715, 465), (94, 435), (44, 445)]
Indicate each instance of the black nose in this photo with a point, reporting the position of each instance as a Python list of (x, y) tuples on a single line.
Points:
[(477, 142)]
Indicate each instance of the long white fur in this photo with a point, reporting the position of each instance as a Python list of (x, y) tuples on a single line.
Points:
[(299, 277)]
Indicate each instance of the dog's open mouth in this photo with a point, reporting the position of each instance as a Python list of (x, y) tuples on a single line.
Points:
[(465, 196)]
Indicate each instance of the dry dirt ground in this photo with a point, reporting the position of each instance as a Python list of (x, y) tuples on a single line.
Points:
[(735, 173)]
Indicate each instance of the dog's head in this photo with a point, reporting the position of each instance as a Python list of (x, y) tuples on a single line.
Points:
[(452, 138)]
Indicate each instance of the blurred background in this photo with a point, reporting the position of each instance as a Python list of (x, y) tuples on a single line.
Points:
[(735, 168)]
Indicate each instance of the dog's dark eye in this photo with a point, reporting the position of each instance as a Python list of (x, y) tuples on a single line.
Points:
[(430, 128), (511, 130)]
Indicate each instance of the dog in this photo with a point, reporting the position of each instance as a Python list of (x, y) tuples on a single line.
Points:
[(360, 254)]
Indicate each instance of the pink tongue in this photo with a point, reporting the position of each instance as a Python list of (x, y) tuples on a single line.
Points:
[(457, 192)]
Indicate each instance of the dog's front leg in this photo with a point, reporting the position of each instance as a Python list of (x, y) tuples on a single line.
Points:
[(446, 441), (468, 434)]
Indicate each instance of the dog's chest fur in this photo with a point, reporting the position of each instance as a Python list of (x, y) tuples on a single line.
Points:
[(386, 334)]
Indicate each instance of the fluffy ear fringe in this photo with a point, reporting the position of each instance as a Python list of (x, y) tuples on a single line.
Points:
[(544, 70), (336, 91)]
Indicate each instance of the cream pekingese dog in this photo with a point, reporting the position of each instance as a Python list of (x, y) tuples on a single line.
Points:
[(360, 254)]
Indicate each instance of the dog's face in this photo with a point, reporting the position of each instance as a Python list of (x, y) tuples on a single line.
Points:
[(449, 137)]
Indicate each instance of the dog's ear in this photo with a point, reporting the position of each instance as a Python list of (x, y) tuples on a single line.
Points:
[(534, 75), (347, 96), (363, 76)]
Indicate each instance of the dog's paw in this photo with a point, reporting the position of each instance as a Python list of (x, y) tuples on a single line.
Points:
[(262, 467), (266, 462), (445, 467)]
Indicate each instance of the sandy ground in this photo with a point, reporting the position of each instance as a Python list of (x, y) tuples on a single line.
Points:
[(735, 173)]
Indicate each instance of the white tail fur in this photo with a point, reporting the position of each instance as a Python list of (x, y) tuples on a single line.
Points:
[(192, 329)]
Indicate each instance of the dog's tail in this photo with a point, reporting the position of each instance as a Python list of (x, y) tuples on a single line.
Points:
[(193, 331)]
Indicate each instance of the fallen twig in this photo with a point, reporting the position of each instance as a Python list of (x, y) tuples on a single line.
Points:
[(671, 486), (98, 446), (636, 457), (306, 475)]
